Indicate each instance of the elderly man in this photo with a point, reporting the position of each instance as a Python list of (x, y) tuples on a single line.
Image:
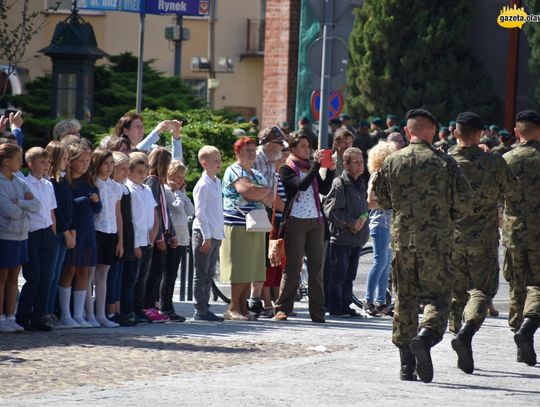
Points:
[(427, 192), (346, 210), (521, 233), (271, 144)]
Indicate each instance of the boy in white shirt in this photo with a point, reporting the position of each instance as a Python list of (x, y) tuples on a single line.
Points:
[(207, 231), (145, 227), (41, 237)]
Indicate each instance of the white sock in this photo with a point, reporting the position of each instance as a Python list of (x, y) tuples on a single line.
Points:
[(89, 303), (64, 296), (78, 303), (111, 315), (101, 288)]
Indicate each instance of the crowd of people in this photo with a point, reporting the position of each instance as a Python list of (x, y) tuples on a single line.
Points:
[(100, 232)]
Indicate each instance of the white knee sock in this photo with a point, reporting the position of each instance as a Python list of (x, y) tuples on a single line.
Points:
[(101, 288), (89, 303), (78, 303), (64, 297)]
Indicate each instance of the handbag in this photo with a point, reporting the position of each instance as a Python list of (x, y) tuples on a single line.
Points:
[(276, 246), (256, 220)]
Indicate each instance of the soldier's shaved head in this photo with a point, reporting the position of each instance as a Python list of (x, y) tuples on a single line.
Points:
[(420, 127)]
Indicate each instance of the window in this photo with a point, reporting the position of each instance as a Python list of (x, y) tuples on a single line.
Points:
[(66, 95)]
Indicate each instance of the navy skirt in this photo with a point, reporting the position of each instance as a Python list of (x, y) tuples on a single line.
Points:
[(13, 253)]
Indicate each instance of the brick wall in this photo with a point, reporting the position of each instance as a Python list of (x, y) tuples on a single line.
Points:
[(280, 61)]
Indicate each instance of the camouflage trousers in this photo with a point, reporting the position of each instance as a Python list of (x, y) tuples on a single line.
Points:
[(476, 273), (522, 271), (420, 278)]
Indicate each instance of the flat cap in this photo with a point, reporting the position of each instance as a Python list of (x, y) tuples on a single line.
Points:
[(528, 116), (411, 114), (470, 119), (270, 135)]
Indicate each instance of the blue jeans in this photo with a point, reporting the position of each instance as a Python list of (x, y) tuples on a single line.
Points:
[(57, 266), (377, 281), (343, 264)]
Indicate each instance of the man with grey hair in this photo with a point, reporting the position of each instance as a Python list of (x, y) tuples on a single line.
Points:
[(396, 138), (65, 127)]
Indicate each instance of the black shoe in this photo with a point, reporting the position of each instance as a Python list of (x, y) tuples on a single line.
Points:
[(421, 346), (463, 347), (371, 309), (124, 320), (40, 324), (255, 305), (408, 364), (174, 317), (142, 319), (524, 339), (26, 324), (318, 320)]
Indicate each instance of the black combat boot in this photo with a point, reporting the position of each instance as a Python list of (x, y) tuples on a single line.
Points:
[(408, 364), (524, 339), (421, 346), (462, 345)]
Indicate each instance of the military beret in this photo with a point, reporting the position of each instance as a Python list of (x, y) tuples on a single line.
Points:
[(304, 120), (345, 116), (452, 123), (494, 127), (444, 129), (470, 119), (504, 133), (395, 129), (528, 116), (363, 123), (391, 117), (377, 121), (421, 113), (336, 122)]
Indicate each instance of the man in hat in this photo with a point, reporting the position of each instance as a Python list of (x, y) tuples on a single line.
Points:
[(364, 142), (521, 234), (505, 143), (304, 127), (474, 261), (427, 192), (346, 121), (391, 121), (443, 143), (377, 132), (492, 138)]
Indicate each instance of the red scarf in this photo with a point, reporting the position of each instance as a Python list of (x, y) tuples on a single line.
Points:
[(306, 165)]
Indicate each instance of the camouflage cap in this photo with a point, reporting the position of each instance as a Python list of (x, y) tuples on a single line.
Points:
[(528, 116), (411, 114), (470, 119)]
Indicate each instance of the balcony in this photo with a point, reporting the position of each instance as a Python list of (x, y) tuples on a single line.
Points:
[(254, 39)]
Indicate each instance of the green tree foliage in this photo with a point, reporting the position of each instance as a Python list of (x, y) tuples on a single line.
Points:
[(532, 31), (412, 54)]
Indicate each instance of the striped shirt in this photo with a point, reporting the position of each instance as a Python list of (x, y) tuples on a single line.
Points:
[(232, 200)]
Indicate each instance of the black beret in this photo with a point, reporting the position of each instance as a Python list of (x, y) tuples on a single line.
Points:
[(528, 116), (421, 113), (470, 119)]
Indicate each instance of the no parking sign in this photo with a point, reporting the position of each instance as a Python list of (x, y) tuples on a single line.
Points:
[(335, 104)]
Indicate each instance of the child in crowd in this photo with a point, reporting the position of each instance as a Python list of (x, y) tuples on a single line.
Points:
[(159, 160), (16, 203), (109, 237), (41, 245), (145, 227), (114, 278), (63, 213), (82, 257), (207, 231), (180, 208)]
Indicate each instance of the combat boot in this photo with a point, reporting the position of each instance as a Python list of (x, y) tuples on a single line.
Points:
[(407, 372), (524, 339), (463, 347), (421, 346)]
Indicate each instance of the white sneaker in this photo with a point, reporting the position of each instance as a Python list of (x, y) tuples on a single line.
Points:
[(106, 323), (55, 322), (68, 323), (10, 322), (4, 327), (93, 322), (82, 322)]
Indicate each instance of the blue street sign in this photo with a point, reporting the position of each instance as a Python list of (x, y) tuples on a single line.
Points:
[(183, 7)]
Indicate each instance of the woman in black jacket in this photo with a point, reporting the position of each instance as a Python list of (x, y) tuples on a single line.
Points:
[(303, 226)]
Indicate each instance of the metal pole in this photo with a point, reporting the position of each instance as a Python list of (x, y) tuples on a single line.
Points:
[(141, 59), (178, 48), (211, 51), (325, 74), (511, 74)]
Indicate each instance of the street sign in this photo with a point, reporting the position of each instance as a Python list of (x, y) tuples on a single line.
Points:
[(335, 104), (183, 7), (339, 7), (338, 62)]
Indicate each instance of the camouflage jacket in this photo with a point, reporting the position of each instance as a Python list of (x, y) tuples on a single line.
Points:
[(427, 192), (521, 227), (491, 181)]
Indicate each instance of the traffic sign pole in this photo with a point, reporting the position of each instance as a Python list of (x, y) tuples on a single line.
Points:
[(325, 75), (140, 64)]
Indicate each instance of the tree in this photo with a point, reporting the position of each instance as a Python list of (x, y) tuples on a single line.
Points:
[(532, 31), (412, 54), (15, 36)]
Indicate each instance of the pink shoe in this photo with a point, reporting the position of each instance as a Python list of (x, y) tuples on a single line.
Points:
[(155, 315)]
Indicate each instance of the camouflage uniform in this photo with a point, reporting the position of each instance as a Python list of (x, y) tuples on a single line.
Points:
[(501, 149), (474, 259), (521, 234), (427, 192)]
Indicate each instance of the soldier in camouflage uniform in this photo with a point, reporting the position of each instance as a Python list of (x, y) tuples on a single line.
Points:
[(474, 259), (521, 236), (427, 192)]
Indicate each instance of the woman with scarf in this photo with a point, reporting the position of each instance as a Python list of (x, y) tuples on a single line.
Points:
[(303, 226)]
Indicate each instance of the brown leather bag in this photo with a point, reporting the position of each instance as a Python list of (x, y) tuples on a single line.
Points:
[(276, 246)]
